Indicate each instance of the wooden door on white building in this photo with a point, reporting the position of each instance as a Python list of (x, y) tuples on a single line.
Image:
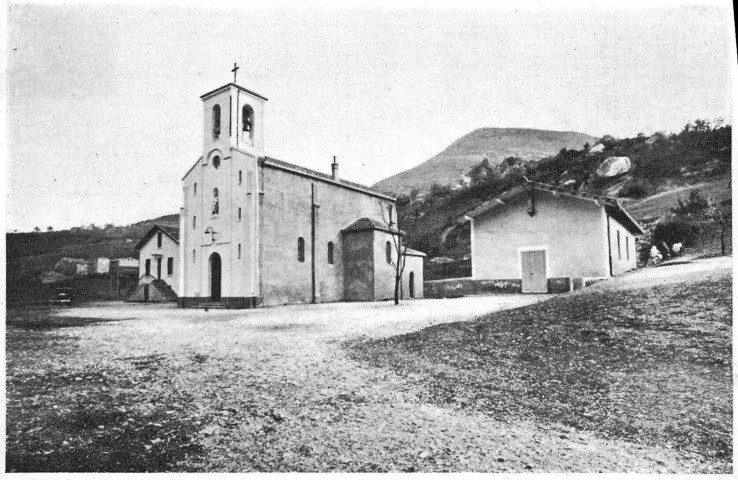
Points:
[(533, 269)]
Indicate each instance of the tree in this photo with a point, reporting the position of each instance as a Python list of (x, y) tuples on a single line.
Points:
[(719, 214), (49, 228), (398, 248), (36, 229), (695, 204)]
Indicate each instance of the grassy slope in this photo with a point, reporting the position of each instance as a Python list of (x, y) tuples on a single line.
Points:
[(661, 203), (649, 365)]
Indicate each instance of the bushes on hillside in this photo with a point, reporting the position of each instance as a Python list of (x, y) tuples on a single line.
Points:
[(693, 205), (674, 230), (636, 188)]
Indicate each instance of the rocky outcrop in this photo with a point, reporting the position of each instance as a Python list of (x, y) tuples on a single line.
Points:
[(613, 166)]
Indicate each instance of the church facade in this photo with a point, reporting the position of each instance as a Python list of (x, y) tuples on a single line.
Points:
[(259, 231)]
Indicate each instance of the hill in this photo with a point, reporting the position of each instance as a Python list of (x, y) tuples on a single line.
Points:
[(494, 144)]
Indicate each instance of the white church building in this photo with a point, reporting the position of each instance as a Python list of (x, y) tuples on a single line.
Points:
[(255, 230)]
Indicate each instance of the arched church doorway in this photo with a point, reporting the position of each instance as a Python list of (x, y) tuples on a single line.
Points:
[(215, 269)]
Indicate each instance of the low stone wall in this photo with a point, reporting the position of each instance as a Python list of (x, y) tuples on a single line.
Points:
[(559, 285), (461, 287)]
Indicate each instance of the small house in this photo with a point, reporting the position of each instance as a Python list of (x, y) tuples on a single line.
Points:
[(542, 238), (158, 261)]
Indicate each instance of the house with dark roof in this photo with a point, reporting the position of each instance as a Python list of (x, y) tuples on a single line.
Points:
[(543, 238), (158, 254), (256, 231)]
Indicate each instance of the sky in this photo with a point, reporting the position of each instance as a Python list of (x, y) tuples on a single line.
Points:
[(104, 116)]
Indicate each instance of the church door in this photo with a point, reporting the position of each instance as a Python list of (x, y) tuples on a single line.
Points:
[(215, 277)]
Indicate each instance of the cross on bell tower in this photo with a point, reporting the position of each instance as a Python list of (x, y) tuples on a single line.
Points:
[(235, 71)]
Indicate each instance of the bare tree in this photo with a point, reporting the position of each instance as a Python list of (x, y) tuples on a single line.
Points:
[(398, 247), (719, 214)]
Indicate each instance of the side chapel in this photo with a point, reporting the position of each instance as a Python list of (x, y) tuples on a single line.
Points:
[(259, 231)]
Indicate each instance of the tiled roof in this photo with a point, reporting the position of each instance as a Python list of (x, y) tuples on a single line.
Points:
[(366, 223), (169, 231), (612, 205), (268, 161)]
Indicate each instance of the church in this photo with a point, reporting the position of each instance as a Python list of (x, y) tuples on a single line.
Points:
[(257, 231)]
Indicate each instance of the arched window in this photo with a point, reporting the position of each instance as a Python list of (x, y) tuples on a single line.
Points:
[(216, 121), (330, 253), (388, 252), (158, 239), (216, 204), (301, 249), (247, 114), (216, 161)]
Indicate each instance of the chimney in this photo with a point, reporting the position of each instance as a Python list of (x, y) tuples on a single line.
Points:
[(334, 169)]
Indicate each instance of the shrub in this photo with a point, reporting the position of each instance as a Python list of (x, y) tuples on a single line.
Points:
[(636, 188), (695, 204), (675, 230)]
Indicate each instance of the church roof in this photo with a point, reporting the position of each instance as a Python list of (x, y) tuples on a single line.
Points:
[(169, 231), (290, 167), (612, 205), (232, 85), (366, 223)]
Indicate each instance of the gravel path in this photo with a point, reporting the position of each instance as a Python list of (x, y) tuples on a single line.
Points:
[(276, 392)]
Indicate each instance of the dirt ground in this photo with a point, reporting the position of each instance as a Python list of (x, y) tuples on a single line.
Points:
[(274, 390)]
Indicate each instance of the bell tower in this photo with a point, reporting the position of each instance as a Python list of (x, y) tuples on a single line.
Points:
[(233, 116)]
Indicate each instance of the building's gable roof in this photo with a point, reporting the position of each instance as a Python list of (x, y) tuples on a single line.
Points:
[(306, 172), (227, 85), (366, 223), (192, 168), (169, 231), (612, 205), (414, 253)]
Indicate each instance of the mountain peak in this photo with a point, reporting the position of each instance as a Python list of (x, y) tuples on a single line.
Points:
[(495, 144)]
